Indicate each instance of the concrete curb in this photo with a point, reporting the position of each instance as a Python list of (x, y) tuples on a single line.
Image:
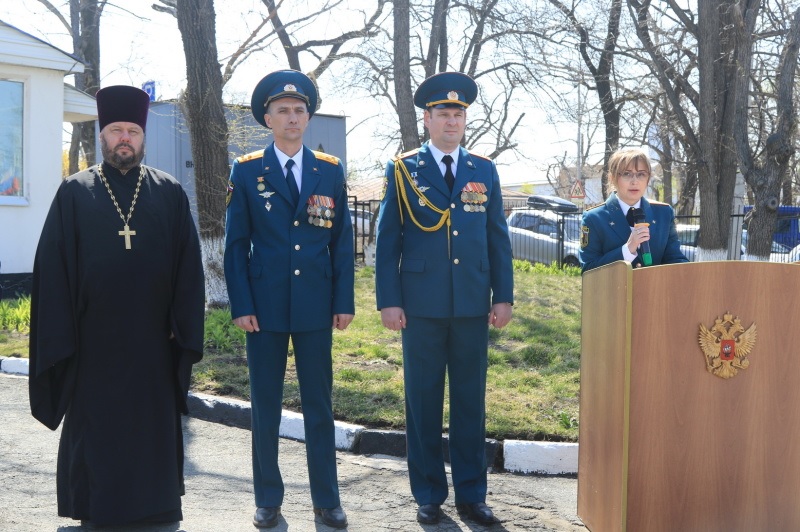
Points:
[(514, 456)]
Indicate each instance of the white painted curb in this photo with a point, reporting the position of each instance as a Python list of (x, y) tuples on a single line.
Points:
[(550, 458), (292, 428), (17, 366)]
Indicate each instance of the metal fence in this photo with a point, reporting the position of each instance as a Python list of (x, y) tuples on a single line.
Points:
[(689, 232), (363, 217), (554, 238)]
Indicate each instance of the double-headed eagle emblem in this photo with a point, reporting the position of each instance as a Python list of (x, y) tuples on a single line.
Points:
[(726, 345)]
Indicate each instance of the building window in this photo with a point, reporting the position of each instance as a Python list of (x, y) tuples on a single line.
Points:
[(11, 171)]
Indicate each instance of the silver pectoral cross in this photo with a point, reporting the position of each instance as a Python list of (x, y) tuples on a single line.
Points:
[(127, 233)]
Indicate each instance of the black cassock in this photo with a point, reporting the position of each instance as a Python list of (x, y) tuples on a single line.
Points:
[(101, 355)]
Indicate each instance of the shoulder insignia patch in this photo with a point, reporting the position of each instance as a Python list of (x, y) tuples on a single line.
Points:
[(593, 207), (661, 203), (326, 157), (250, 156), (228, 193), (407, 154)]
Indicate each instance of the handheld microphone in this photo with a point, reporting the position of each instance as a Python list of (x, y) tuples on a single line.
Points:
[(644, 247)]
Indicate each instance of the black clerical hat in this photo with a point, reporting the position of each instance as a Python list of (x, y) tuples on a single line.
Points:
[(446, 89), (283, 84), (122, 103)]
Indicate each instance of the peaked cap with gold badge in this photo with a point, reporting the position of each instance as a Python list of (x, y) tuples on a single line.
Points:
[(446, 89), (283, 84)]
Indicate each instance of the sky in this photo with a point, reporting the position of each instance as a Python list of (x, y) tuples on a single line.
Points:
[(139, 44)]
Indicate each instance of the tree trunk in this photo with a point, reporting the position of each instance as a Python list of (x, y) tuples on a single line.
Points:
[(85, 22), (601, 74), (716, 157), (205, 116), (766, 176), (436, 60), (402, 77)]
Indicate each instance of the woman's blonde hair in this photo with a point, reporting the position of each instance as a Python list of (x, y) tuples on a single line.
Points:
[(621, 159)]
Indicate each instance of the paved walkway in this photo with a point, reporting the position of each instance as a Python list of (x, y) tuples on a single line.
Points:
[(374, 489)]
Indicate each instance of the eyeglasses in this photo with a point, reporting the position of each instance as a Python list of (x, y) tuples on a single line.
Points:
[(630, 176)]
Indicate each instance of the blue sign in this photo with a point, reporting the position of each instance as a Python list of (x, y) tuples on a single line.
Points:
[(150, 88)]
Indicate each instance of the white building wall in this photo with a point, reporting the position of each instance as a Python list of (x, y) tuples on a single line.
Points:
[(21, 224)]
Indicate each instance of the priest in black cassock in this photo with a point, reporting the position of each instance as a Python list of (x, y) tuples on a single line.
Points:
[(116, 323)]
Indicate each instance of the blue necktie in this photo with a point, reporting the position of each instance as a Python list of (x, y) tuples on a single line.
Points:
[(290, 180)]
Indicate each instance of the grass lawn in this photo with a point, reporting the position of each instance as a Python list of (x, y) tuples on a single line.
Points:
[(14, 325), (534, 362)]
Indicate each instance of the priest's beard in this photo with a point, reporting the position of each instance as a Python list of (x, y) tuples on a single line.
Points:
[(123, 164)]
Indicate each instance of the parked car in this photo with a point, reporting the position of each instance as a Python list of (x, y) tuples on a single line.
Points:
[(687, 235), (794, 254), (534, 236), (362, 220), (551, 203), (779, 252), (787, 226)]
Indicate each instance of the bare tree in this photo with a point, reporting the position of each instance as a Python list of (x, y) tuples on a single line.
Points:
[(490, 40), (710, 144), (84, 28), (409, 137), (764, 156), (204, 109), (601, 73)]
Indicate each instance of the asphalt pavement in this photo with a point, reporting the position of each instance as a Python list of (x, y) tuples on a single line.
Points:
[(219, 495)]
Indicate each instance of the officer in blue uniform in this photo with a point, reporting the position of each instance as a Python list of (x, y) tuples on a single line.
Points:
[(610, 231), (289, 270), (443, 268)]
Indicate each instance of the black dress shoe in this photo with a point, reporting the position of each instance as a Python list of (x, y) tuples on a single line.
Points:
[(333, 517), (429, 514), (266, 517), (478, 512)]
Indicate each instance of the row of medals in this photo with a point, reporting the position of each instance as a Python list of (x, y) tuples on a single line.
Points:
[(320, 216), (473, 201)]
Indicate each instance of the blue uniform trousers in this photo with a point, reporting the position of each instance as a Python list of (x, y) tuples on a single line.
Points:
[(266, 358), (458, 346)]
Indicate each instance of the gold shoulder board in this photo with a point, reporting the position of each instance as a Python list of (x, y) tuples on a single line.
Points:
[(250, 156), (479, 156), (407, 154), (326, 157)]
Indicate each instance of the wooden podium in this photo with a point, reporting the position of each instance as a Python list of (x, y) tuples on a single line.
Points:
[(665, 445)]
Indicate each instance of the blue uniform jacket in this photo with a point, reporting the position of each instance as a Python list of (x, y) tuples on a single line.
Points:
[(292, 275), (413, 268), (605, 230)]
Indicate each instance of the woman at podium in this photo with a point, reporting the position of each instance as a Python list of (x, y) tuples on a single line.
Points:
[(628, 226)]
